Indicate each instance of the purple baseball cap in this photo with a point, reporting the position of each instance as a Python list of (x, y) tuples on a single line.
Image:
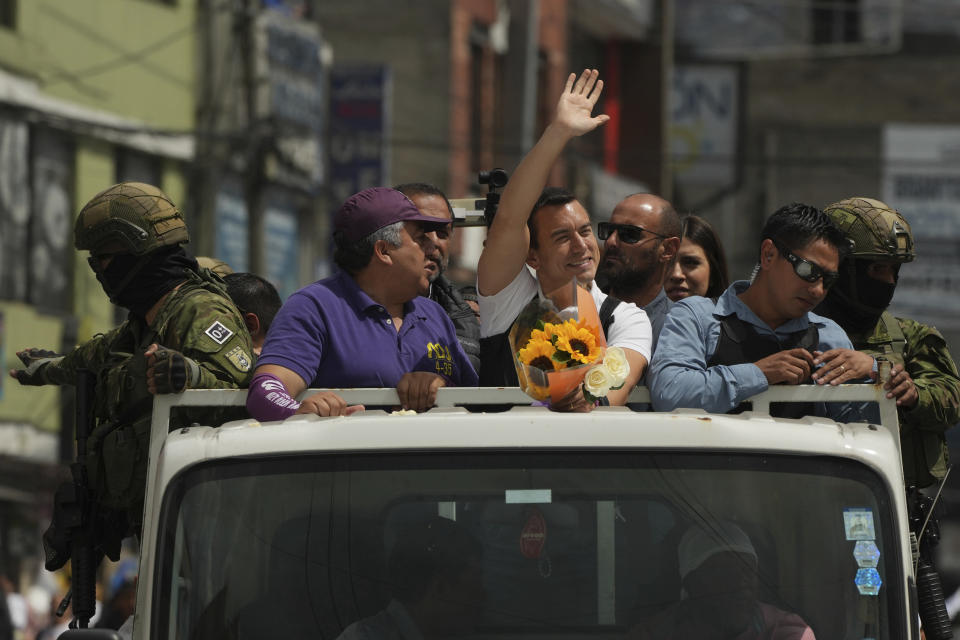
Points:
[(373, 209)]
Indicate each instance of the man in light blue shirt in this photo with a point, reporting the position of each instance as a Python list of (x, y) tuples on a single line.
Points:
[(716, 355)]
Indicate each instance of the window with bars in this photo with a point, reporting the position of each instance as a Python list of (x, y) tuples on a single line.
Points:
[(835, 21)]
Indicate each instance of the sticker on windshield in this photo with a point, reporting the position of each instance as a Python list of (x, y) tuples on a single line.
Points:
[(866, 553), (528, 496), (868, 582), (533, 535), (858, 524)]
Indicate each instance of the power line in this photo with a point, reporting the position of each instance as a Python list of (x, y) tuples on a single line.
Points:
[(93, 35), (127, 59)]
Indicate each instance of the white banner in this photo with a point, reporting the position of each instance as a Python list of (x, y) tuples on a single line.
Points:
[(921, 178), (703, 124)]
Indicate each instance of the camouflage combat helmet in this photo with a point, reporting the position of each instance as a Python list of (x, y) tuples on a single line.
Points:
[(133, 215), (876, 231)]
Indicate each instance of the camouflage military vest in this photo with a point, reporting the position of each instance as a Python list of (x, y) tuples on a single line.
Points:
[(887, 340), (118, 447), (925, 455)]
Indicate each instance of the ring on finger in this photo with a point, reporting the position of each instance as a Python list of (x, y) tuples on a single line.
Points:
[(843, 368)]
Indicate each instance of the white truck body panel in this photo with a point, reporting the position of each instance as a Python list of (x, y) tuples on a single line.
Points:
[(449, 428)]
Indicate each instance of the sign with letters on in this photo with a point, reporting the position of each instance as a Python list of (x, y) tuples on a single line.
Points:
[(921, 179), (359, 129), (704, 110)]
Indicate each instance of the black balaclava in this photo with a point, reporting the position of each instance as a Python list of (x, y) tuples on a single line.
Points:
[(137, 282), (873, 293), (856, 301)]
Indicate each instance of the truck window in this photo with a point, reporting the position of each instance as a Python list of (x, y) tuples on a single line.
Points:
[(625, 544)]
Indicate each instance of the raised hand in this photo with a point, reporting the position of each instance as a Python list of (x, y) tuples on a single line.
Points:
[(575, 107)]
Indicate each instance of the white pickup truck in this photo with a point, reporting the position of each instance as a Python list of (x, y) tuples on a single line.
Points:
[(285, 530)]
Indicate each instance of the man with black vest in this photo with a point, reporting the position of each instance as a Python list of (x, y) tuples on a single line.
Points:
[(433, 202), (715, 354), (540, 240)]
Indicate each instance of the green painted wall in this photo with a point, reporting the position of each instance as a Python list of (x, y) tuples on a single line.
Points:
[(95, 171), (129, 57), (23, 328)]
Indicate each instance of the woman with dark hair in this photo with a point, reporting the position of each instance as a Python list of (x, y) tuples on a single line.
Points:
[(701, 266)]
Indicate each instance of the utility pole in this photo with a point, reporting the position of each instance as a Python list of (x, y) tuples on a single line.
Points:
[(205, 176), (666, 84), (530, 63), (255, 139)]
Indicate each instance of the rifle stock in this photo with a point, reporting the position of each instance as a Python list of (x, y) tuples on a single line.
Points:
[(84, 557)]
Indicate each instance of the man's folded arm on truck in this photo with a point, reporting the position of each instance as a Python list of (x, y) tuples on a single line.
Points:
[(679, 375)]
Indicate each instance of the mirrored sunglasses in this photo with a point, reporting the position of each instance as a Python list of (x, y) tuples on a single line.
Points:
[(806, 270)]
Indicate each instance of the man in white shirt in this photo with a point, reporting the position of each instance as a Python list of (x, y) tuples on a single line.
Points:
[(539, 241)]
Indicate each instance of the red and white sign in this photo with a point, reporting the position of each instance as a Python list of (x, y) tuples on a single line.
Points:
[(534, 534)]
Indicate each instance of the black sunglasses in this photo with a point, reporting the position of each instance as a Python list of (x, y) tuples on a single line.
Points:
[(627, 233), (806, 270)]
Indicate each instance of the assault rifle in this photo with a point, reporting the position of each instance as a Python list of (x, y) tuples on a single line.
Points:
[(925, 526), (76, 526)]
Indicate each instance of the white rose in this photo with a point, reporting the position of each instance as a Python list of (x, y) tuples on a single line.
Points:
[(616, 361), (598, 381)]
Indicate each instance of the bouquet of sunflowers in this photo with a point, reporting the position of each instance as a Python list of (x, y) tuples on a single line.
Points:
[(558, 345)]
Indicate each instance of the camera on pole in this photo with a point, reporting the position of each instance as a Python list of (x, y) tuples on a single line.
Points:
[(471, 212)]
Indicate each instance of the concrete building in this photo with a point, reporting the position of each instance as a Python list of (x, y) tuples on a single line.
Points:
[(826, 101), (470, 84), (91, 93)]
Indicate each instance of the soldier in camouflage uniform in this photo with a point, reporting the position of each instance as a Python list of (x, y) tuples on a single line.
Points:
[(924, 377), (182, 332)]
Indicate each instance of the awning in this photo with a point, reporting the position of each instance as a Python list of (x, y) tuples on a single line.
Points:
[(19, 93)]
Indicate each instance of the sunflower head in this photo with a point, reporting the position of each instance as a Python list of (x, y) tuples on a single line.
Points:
[(578, 342), (539, 353)]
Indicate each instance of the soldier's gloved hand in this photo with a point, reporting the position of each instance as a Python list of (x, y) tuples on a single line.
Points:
[(170, 371), (35, 361)]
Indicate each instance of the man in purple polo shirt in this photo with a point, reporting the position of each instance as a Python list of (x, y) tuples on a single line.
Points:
[(367, 326)]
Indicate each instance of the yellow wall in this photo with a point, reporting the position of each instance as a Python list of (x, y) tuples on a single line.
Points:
[(175, 184), (95, 171), (24, 328), (128, 57)]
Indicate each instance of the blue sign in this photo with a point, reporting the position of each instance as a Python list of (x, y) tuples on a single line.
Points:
[(359, 129), (232, 226), (281, 238), (294, 96)]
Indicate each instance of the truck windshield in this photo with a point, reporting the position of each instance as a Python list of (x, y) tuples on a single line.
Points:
[(508, 544)]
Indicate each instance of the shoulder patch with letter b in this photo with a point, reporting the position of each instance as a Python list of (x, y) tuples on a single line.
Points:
[(218, 333)]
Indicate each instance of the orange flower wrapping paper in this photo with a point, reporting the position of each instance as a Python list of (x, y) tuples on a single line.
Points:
[(555, 340)]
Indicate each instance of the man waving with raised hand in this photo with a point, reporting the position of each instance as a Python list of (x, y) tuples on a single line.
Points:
[(549, 231)]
